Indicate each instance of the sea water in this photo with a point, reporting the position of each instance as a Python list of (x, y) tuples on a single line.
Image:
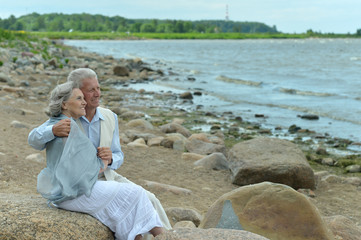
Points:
[(281, 79)]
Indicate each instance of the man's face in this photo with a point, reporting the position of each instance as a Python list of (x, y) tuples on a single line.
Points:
[(91, 91)]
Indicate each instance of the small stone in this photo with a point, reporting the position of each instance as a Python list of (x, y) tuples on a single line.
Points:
[(353, 168), (310, 117), (17, 124), (321, 151), (35, 157), (186, 95), (121, 71), (328, 161), (184, 224), (293, 129)]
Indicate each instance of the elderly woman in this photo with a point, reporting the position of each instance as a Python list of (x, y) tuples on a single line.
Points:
[(70, 180)]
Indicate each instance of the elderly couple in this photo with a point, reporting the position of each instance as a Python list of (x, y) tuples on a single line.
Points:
[(82, 150)]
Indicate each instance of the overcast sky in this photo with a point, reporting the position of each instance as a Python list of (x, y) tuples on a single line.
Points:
[(289, 16)]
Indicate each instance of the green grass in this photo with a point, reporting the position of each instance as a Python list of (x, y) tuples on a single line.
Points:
[(118, 35)]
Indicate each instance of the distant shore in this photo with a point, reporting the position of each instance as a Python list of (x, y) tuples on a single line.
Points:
[(140, 36)]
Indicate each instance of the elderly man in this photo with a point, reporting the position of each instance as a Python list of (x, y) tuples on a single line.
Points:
[(101, 127)]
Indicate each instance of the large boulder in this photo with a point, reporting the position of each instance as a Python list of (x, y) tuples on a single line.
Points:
[(275, 211), (270, 159), (29, 217)]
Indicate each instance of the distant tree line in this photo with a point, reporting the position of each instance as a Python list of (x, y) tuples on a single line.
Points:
[(58, 22)]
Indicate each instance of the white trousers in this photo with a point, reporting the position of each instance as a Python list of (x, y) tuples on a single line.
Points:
[(124, 208), (111, 175)]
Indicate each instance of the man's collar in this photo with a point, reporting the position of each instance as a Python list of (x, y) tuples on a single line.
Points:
[(96, 117)]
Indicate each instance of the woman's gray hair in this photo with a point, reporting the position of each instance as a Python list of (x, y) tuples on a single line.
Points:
[(78, 75), (60, 94)]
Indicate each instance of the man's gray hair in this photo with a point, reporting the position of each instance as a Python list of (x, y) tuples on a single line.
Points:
[(60, 94), (78, 75)]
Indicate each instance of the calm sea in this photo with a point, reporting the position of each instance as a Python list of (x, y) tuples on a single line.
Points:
[(278, 78)]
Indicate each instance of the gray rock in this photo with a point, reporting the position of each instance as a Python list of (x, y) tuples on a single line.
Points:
[(23, 62), (133, 135), (208, 234), (331, 179), (186, 95), (175, 128), (17, 124), (216, 161), (353, 168), (155, 141), (176, 214), (121, 71), (29, 217), (156, 186), (229, 219), (4, 78), (204, 148), (179, 145), (343, 228), (35, 157), (192, 156), (140, 124), (350, 180), (174, 140), (27, 54), (270, 159), (310, 117), (275, 211), (52, 62), (144, 74), (327, 161), (184, 224), (140, 142), (131, 115)]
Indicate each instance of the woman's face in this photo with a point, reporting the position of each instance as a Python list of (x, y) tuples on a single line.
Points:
[(75, 106)]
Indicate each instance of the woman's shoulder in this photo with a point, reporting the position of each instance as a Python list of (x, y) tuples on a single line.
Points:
[(57, 119)]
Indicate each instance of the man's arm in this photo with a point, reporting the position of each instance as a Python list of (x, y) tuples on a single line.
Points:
[(117, 154), (38, 137)]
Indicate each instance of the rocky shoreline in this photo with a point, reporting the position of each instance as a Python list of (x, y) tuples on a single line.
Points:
[(175, 134)]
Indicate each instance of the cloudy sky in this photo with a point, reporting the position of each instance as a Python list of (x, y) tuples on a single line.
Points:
[(290, 16)]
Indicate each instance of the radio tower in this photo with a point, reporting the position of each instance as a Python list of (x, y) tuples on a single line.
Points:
[(227, 17)]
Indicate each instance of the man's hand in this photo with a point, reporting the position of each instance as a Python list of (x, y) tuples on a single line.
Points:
[(62, 128), (105, 166), (105, 154)]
